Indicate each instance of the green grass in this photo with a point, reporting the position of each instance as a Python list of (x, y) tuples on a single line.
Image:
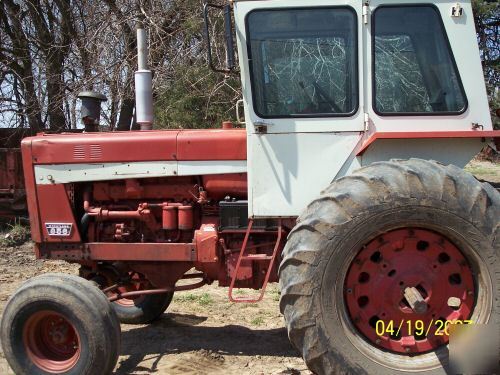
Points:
[(257, 321), (202, 299), (16, 235), (275, 295), (205, 299)]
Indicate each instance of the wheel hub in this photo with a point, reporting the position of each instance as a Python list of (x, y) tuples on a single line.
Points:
[(404, 286), (136, 284), (51, 342)]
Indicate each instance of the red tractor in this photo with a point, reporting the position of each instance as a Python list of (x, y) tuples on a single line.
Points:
[(345, 185)]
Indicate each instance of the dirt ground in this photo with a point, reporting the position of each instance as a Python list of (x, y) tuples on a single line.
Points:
[(201, 332)]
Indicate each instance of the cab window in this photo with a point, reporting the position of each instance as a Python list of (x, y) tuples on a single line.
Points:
[(414, 68), (303, 62)]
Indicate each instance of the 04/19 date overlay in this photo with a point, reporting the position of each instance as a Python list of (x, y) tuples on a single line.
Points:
[(417, 327)]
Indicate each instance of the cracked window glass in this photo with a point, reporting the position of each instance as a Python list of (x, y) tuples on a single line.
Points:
[(414, 67), (303, 62)]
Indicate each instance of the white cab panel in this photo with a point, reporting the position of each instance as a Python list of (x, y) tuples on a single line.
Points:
[(456, 151), (293, 169)]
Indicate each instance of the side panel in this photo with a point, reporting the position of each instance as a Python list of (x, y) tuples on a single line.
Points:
[(66, 173), (447, 151), (456, 151), (294, 168), (55, 208), (212, 145)]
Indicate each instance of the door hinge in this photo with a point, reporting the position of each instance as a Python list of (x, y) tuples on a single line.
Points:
[(261, 127), (367, 122), (366, 12)]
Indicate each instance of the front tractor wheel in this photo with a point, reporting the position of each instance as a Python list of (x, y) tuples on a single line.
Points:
[(60, 324), (382, 260)]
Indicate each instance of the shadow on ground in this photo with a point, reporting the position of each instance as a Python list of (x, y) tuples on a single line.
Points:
[(181, 333)]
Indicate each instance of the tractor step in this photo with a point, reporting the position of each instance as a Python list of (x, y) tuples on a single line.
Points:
[(254, 258)]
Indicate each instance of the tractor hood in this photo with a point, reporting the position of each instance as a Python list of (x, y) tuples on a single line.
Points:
[(137, 146)]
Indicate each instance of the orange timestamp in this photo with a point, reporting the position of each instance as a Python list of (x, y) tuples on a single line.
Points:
[(437, 327)]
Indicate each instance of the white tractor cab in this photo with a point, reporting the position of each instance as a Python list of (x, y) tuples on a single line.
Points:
[(330, 86), (360, 116)]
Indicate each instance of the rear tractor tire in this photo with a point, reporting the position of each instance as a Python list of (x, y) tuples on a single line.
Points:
[(142, 309), (60, 324), (398, 241)]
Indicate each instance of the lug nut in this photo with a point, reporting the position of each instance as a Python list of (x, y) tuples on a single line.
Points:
[(454, 302)]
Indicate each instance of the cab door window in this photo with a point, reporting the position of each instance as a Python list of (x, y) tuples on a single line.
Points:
[(303, 62)]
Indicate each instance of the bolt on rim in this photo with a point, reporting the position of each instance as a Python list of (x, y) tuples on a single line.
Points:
[(51, 342), (404, 276)]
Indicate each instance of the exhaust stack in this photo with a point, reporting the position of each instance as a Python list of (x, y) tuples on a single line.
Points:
[(143, 83)]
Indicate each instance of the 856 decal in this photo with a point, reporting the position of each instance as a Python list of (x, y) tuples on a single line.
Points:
[(59, 229)]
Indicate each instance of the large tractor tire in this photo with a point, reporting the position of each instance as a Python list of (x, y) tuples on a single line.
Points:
[(60, 324), (415, 227)]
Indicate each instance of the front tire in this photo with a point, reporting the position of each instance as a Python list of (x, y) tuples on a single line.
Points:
[(347, 255), (60, 324)]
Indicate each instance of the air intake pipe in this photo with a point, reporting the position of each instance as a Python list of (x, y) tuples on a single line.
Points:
[(91, 109), (143, 83)]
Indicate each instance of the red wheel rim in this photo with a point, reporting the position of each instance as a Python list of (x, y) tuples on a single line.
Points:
[(131, 301), (136, 285), (51, 342), (390, 263)]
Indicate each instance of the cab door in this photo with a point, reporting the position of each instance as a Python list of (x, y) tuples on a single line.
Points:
[(302, 80)]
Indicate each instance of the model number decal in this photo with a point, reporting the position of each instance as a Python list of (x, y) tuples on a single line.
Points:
[(59, 229)]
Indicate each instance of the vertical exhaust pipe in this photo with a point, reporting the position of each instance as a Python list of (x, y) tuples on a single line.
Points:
[(143, 83)]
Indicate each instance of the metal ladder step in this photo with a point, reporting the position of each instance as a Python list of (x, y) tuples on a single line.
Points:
[(254, 258)]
